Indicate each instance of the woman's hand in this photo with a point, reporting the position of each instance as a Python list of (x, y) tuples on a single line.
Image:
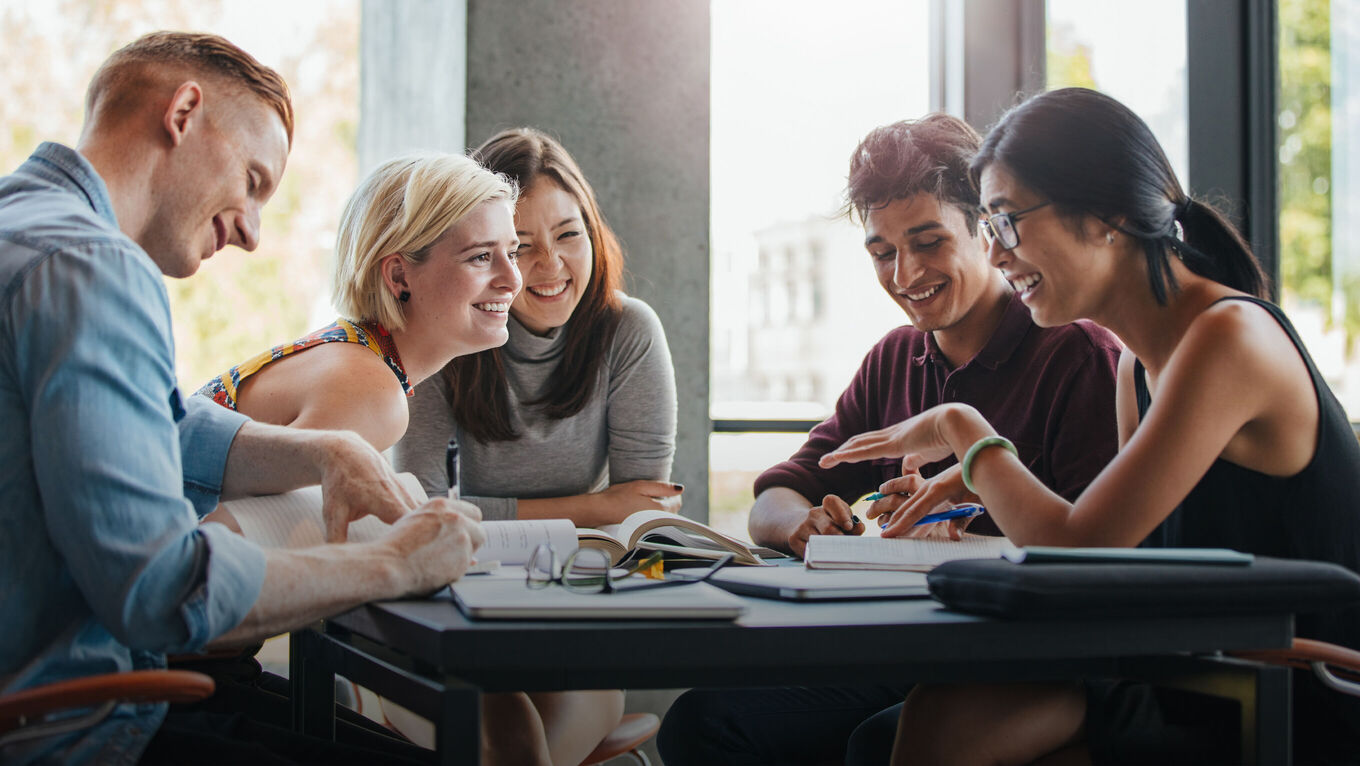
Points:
[(918, 441), (614, 504), (910, 497)]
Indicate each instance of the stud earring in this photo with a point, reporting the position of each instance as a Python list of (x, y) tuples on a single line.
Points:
[(405, 296), (1109, 238)]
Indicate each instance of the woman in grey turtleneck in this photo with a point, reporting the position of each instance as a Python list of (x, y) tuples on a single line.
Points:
[(575, 416)]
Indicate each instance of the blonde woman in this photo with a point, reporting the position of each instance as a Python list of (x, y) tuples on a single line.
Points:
[(424, 271)]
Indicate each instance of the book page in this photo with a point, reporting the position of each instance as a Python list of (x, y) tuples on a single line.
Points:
[(674, 527), (512, 542), (294, 520), (917, 554)]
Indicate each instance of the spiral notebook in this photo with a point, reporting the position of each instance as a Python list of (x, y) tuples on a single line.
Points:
[(909, 554)]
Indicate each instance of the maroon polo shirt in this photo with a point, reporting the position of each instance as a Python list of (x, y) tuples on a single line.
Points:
[(1048, 390)]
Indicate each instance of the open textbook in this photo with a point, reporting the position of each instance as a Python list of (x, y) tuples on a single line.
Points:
[(672, 534), (293, 520), (903, 553)]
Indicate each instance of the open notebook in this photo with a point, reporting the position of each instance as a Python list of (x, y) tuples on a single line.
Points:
[(901, 553)]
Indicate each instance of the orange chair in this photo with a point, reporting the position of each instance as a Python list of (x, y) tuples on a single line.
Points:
[(633, 730), (23, 714), (1336, 666)]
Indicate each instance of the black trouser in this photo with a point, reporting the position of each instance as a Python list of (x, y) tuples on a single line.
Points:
[(789, 725)]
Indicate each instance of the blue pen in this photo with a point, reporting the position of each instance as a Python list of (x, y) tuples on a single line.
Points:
[(958, 512)]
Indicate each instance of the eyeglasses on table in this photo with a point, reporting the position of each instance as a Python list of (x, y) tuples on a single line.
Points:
[(589, 570)]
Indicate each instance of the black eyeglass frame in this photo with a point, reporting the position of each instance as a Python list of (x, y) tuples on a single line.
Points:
[(990, 230), (605, 583)]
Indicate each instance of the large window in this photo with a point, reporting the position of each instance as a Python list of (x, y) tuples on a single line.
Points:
[(243, 303), (1106, 47), (795, 304), (1319, 166)]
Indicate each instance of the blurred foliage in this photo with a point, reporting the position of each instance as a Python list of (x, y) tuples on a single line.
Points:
[(239, 304), (1068, 60), (1305, 155)]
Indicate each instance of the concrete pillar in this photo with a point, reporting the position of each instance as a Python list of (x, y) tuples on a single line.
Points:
[(412, 78), (624, 86)]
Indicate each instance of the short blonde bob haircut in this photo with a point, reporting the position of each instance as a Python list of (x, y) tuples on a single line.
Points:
[(404, 207)]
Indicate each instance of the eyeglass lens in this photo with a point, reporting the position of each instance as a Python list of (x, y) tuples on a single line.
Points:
[(540, 569), (1002, 228), (586, 571)]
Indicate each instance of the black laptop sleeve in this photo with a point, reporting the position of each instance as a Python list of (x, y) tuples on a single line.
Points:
[(1000, 588)]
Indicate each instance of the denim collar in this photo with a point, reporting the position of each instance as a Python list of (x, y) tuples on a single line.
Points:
[(65, 167)]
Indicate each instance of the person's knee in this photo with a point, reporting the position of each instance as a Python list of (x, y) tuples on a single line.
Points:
[(871, 743), (932, 725)]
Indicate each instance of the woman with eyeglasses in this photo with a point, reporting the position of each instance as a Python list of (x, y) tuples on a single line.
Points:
[(1229, 436)]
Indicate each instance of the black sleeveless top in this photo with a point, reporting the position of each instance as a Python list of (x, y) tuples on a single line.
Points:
[(1314, 514)]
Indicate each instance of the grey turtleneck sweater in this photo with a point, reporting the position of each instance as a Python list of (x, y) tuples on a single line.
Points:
[(625, 432)]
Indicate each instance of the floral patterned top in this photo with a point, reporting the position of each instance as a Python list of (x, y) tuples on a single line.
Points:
[(373, 336)]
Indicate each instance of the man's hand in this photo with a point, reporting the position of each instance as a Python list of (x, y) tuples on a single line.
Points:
[(357, 481), (832, 517), (435, 543)]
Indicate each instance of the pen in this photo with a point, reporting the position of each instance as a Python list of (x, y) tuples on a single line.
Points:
[(451, 466), (959, 512)]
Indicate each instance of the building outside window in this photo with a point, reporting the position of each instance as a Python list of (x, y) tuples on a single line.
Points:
[(796, 305)]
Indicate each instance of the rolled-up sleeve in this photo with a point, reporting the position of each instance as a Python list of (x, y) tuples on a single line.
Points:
[(205, 434), (100, 390)]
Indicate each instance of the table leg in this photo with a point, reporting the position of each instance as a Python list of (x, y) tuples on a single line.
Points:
[(1262, 691), (313, 686), (459, 726), (1273, 722)]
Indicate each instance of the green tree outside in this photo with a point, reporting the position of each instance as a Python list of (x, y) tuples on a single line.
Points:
[(241, 304), (1305, 159)]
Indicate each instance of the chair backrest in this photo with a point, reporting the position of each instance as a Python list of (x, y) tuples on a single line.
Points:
[(22, 713), (1336, 666)]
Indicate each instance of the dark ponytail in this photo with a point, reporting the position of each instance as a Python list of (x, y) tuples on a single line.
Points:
[(1090, 155), (1208, 232)]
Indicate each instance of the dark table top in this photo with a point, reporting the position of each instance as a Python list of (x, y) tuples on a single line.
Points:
[(779, 643)]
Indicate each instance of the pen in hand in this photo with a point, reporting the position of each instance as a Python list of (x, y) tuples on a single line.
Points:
[(451, 466), (957, 512)]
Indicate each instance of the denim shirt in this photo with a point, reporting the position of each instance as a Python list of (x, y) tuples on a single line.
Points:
[(104, 469)]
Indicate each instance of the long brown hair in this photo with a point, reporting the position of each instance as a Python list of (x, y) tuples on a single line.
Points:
[(477, 389)]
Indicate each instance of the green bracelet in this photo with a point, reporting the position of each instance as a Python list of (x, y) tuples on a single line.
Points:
[(978, 446)]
